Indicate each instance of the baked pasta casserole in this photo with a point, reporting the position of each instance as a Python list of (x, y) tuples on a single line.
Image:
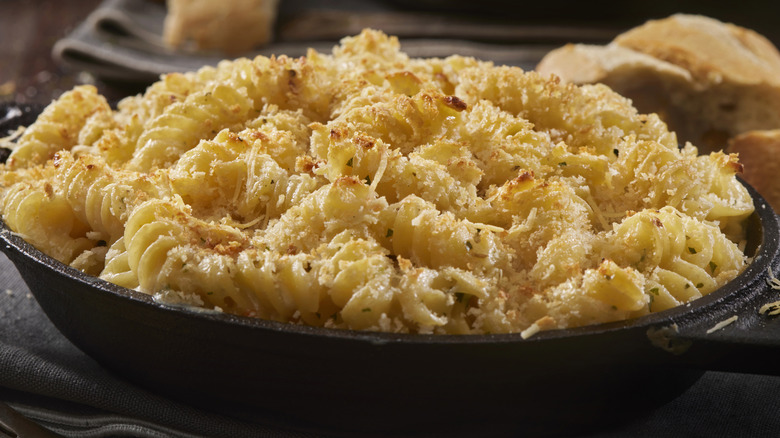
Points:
[(364, 189)]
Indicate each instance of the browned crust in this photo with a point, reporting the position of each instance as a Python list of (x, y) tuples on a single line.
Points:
[(759, 153), (711, 50)]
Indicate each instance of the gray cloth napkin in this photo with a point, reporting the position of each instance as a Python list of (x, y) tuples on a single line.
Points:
[(122, 39)]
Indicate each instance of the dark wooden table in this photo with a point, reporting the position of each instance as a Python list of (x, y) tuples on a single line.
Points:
[(28, 31)]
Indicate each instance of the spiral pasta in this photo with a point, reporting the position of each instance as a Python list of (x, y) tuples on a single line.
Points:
[(183, 124), (364, 189), (45, 220), (75, 116), (687, 258)]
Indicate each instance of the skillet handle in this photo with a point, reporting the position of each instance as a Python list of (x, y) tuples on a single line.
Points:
[(750, 343), (743, 333)]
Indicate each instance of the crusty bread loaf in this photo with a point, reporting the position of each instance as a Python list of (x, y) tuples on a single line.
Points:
[(759, 153), (708, 80), (230, 26)]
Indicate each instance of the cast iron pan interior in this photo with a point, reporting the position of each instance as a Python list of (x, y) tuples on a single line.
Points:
[(349, 381)]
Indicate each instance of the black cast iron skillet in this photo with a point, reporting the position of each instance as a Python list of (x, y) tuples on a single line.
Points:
[(349, 381)]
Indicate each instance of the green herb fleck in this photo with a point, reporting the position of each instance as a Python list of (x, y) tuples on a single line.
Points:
[(368, 179), (699, 285), (460, 296), (687, 285), (654, 291), (616, 152), (562, 163), (366, 309), (349, 163), (389, 232), (692, 250), (713, 266)]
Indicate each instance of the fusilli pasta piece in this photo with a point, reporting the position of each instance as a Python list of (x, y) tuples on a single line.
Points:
[(60, 127)]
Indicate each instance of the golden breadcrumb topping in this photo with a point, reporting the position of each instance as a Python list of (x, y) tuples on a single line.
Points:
[(364, 189)]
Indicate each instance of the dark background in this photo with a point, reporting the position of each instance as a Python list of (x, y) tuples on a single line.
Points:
[(28, 30)]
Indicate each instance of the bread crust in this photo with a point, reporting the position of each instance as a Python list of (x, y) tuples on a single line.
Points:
[(708, 80), (757, 152), (712, 51)]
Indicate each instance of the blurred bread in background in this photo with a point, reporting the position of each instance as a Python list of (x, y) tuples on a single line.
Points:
[(707, 79), (759, 153), (229, 26), (716, 84)]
